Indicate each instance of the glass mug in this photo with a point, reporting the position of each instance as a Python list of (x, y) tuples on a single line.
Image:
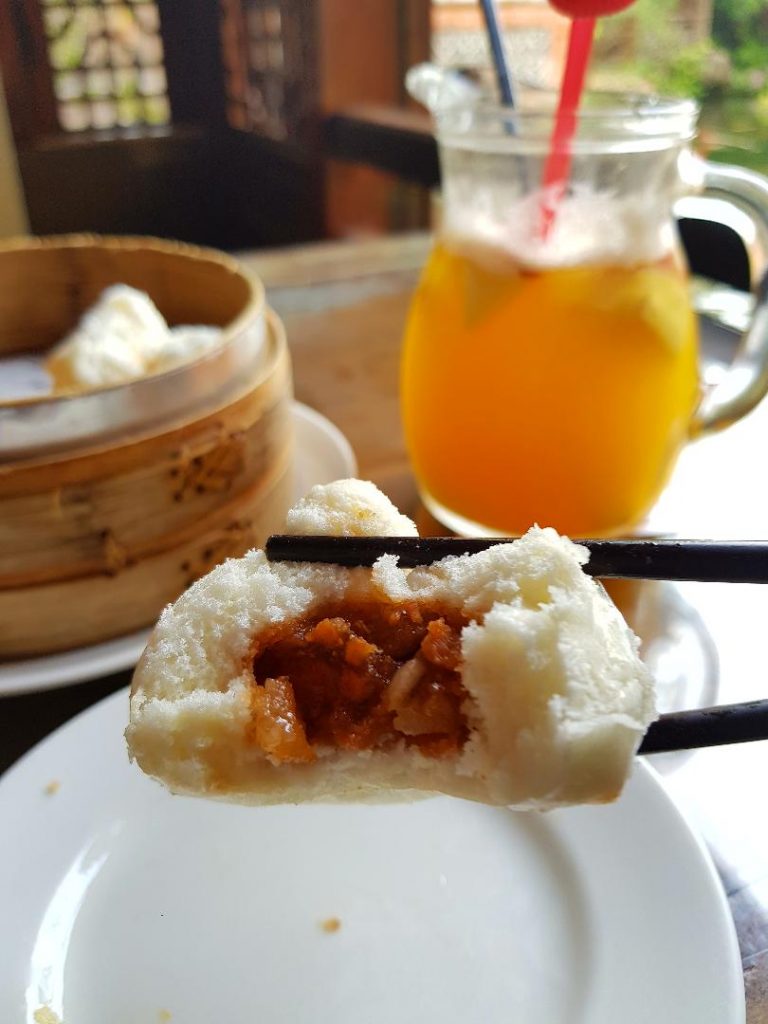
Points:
[(552, 377)]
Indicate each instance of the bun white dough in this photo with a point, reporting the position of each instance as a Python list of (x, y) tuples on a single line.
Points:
[(525, 688), (121, 338), (348, 508)]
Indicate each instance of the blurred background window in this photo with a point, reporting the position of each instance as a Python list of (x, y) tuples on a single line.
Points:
[(268, 65), (535, 38), (207, 120), (107, 64), (203, 119)]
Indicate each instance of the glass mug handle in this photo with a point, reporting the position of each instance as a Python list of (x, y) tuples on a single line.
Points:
[(746, 381)]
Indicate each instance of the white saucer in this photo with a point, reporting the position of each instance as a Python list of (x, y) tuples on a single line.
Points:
[(323, 454), (122, 903)]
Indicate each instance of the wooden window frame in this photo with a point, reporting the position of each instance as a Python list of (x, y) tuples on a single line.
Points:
[(189, 30)]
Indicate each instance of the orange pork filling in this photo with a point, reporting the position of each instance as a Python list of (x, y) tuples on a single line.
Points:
[(360, 677)]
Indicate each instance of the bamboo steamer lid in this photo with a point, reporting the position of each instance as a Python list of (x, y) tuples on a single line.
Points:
[(113, 501)]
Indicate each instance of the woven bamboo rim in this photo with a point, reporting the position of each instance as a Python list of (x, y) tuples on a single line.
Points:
[(184, 280)]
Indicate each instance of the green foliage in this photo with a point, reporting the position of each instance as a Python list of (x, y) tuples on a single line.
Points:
[(738, 22), (733, 59), (741, 26), (688, 71), (650, 15), (727, 73)]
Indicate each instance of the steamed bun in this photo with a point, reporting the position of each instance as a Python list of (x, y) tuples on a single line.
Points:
[(506, 677)]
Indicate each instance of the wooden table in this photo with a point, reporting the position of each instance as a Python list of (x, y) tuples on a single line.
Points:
[(344, 305)]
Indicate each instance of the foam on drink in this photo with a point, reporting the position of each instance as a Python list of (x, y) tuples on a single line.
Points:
[(590, 228)]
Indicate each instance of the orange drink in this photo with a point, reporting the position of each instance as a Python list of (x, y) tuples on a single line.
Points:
[(551, 376), (559, 395)]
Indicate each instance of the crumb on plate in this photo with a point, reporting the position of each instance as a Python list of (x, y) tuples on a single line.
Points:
[(330, 925), (164, 1016), (45, 1015), (53, 787)]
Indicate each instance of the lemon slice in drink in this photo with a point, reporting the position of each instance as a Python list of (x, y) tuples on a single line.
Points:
[(655, 295)]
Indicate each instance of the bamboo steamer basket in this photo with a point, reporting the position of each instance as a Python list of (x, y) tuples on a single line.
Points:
[(112, 502)]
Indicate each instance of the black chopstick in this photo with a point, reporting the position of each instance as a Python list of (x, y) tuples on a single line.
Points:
[(734, 561), (707, 727)]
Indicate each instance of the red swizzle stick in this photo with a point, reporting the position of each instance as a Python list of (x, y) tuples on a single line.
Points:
[(558, 163), (589, 8)]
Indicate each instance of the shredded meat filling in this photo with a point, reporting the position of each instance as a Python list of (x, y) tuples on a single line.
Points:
[(360, 678)]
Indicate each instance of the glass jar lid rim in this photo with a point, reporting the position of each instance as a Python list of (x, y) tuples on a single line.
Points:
[(616, 119), (597, 105)]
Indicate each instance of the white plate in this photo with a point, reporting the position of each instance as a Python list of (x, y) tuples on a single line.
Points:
[(124, 904), (323, 454)]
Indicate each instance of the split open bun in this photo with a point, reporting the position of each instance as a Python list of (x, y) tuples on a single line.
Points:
[(507, 677)]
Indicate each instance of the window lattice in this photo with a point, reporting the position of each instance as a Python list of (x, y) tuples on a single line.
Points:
[(528, 50), (266, 50), (107, 62)]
